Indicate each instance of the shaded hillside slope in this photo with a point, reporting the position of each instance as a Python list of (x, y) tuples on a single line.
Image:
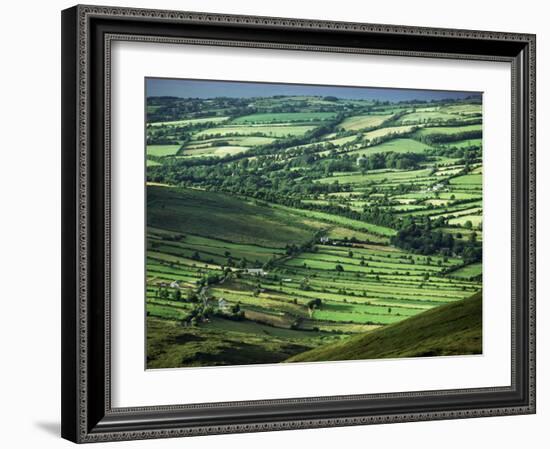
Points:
[(452, 329)]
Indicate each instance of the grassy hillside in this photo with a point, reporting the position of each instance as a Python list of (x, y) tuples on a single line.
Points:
[(217, 215), (222, 342), (447, 330), (281, 225)]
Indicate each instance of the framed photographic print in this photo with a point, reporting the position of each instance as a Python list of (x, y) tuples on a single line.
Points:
[(283, 223)]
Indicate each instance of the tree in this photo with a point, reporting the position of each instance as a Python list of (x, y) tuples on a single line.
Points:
[(212, 278), (192, 296), (339, 268), (314, 304), (468, 224), (176, 295)]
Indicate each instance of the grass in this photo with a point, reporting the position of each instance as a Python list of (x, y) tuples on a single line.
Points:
[(339, 220), (208, 248), (267, 131), (221, 343), (283, 117), (475, 179), (341, 233), (425, 117), (245, 141), (383, 132), (395, 146), (187, 122), (476, 220), (359, 178), (372, 300), (221, 151), (162, 150), (464, 143), (468, 272), (448, 130), (463, 109), (359, 122), (453, 329), (221, 216)]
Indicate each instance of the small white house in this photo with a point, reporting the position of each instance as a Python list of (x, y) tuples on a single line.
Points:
[(223, 304), (174, 284), (324, 239), (255, 271)]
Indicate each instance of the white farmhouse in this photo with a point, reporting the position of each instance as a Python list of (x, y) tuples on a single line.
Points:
[(255, 271), (223, 304)]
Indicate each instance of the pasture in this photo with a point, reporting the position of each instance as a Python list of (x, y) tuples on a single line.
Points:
[(284, 117), (294, 247), (282, 130), (188, 122), (162, 150), (395, 146), (359, 122)]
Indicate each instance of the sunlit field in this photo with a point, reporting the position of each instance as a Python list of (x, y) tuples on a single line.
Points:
[(295, 228)]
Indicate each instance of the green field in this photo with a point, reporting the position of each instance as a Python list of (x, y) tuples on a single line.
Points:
[(465, 143), (468, 272), (363, 121), (284, 117), (448, 130), (162, 150), (450, 330), (219, 215), (190, 121), (425, 117), (217, 151), (283, 130), (311, 228), (383, 132), (465, 109), (395, 146), (474, 180)]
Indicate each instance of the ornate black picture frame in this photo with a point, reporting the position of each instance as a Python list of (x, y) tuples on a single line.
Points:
[(87, 34)]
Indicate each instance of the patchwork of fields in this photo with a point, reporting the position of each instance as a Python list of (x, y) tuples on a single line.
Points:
[(278, 225)]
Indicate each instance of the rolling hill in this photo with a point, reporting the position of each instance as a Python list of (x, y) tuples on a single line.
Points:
[(211, 214), (451, 329)]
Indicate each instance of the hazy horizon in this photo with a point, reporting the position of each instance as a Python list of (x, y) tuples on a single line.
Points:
[(205, 89)]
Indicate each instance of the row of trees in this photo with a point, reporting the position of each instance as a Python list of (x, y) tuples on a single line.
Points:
[(399, 161), (423, 240), (439, 138)]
